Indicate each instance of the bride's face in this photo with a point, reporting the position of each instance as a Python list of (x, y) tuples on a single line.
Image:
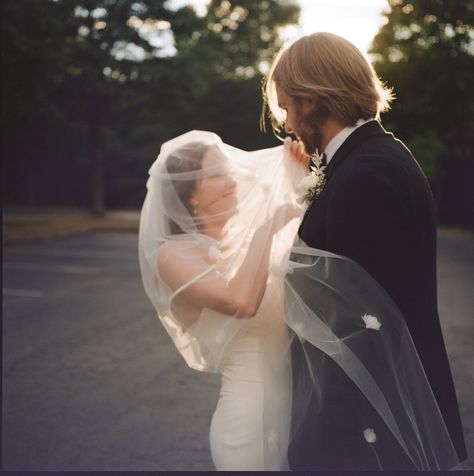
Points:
[(215, 194)]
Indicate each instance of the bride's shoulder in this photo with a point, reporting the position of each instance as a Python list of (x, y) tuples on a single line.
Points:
[(179, 261), (179, 248)]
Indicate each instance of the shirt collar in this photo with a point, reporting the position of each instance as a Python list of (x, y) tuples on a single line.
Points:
[(340, 137)]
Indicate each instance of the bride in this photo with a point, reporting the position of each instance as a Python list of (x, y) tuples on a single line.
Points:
[(234, 291)]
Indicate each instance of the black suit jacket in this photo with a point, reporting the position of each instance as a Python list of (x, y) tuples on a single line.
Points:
[(377, 209)]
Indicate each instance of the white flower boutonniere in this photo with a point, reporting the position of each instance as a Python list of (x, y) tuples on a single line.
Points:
[(312, 185)]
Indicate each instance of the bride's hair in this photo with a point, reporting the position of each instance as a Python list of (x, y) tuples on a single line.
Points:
[(187, 158), (331, 70)]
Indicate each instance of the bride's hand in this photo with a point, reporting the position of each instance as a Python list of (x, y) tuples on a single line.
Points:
[(297, 152)]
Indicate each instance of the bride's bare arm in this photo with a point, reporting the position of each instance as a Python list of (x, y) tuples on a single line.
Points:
[(240, 296)]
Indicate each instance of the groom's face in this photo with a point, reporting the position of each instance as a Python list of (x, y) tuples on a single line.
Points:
[(296, 111), (288, 104)]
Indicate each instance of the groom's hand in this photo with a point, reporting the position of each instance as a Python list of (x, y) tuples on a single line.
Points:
[(297, 152)]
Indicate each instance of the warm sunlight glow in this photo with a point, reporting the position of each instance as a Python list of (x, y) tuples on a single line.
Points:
[(357, 21), (200, 6)]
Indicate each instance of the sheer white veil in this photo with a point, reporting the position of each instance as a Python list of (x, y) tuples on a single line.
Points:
[(322, 300), (165, 218)]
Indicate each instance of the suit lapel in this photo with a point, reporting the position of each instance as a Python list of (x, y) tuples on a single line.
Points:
[(361, 134)]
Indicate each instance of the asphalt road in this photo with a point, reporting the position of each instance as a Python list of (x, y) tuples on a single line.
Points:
[(92, 382)]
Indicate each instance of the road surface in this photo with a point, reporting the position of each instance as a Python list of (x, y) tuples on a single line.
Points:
[(92, 382)]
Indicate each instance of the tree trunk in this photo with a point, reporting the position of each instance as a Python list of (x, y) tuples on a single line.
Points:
[(97, 164), (98, 203)]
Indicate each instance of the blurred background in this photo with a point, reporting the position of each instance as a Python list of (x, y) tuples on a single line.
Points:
[(90, 89)]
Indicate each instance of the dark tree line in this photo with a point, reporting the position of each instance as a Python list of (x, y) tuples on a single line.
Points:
[(91, 88), (426, 51)]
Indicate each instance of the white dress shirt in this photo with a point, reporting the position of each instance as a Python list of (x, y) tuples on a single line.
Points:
[(340, 137)]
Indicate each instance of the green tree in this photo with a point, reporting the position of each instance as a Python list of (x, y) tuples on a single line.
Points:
[(212, 81), (64, 64), (426, 51), (219, 56), (97, 85), (31, 70), (103, 50)]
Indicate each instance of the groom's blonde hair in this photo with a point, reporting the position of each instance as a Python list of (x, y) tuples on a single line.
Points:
[(333, 72)]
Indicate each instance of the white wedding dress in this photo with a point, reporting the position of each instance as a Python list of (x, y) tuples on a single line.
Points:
[(250, 426)]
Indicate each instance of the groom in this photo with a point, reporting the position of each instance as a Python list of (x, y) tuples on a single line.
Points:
[(377, 209)]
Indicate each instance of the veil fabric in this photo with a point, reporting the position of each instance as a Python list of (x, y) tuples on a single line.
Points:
[(312, 297)]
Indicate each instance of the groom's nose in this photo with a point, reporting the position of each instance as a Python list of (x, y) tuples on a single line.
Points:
[(288, 129)]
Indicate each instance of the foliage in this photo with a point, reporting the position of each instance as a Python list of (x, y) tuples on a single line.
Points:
[(91, 88), (427, 147), (426, 52)]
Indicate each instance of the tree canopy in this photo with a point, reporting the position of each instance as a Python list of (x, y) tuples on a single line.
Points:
[(91, 88), (425, 51)]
